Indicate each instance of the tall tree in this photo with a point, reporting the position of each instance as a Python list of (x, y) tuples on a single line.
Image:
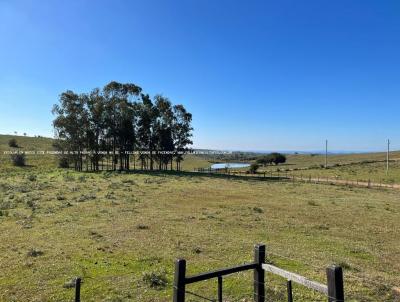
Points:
[(182, 133), (163, 131), (97, 112), (147, 116), (71, 124), (120, 119)]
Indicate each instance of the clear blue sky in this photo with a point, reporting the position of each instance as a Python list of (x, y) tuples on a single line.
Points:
[(257, 75)]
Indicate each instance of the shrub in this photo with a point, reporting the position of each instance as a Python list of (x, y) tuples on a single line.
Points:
[(59, 196), (197, 250), (31, 204), (258, 210), (32, 177), (82, 178), (86, 197), (13, 143), (265, 160), (68, 177), (272, 158), (35, 253), (3, 213), (18, 159), (155, 279), (277, 158), (63, 163), (253, 168)]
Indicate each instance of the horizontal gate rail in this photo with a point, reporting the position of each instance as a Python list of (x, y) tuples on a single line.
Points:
[(322, 288), (220, 273)]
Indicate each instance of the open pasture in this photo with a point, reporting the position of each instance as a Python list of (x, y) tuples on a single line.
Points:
[(122, 232)]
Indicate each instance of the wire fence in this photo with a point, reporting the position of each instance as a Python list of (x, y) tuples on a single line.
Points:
[(299, 177)]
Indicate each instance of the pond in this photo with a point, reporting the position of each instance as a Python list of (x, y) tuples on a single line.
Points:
[(229, 165)]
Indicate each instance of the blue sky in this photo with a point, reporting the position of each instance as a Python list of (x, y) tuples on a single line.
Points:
[(257, 75)]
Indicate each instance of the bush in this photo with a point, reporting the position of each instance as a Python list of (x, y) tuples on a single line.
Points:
[(18, 159), (277, 158), (155, 279), (13, 143), (86, 197), (32, 177), (258, 210), (59, 196), (265, 160), (35, 253), (253, 168), (63, 163), (272, 158)]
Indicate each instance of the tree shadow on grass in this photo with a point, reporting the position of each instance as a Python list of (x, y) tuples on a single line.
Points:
[(185, 174)]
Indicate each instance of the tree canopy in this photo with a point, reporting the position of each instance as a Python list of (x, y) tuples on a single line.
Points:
[(117, 124), (272, 158)]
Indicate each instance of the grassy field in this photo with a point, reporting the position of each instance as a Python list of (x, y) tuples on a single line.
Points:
[(121, 232), (47, 160), (305, 161), (26, 144), (317, 160), (375, 172), (362, 167), (116, 230)]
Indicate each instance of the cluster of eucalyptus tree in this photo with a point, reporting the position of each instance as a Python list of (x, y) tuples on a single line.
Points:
[(111, 127)]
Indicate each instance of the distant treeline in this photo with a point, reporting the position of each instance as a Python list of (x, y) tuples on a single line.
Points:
[(231, 156), (120, 119)]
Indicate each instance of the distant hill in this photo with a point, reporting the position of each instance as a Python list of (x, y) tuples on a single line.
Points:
[(26, 143)]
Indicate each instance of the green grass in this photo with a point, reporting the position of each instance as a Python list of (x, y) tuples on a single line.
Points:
[(26, 144), (362, 167), (113, 228), (310, 160), (122, 232), (376, 172), (350, 167), (47, 160)]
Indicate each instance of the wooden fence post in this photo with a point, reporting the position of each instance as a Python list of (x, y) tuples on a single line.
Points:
[(219, 289), (335, 284), (179, 280), (259, 274), (78, 289), (289, 291)]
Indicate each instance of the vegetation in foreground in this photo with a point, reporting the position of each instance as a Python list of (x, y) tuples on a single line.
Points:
[(122, 232)]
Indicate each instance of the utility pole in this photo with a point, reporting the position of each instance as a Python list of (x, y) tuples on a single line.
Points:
[(326, 154), (387, 157)]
